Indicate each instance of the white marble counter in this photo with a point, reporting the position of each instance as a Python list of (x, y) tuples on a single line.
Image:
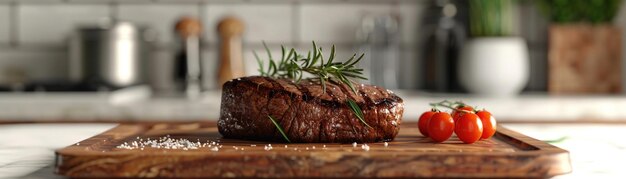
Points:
[(596, 150), (527, 107)]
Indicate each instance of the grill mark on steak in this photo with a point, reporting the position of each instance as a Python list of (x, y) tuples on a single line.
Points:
[(282, 117), (264, 111), (289, 121), (267, 104), (306, 97), (331, 89), (291, 93), (368, 105), (384, 98)]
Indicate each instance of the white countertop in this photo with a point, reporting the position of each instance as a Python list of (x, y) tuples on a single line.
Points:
[(596, 150), (98, 106)]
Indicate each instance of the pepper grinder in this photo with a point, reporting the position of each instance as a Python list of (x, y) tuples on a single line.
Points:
[(189, 64), (230, 31)]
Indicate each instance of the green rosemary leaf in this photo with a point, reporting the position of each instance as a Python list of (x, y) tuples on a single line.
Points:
[(280, 129), (269, 54), (273, 70), (351, 58), (292, 65), (321, 56), (357, 111), (331, 57), (349, 83), (258, 60), (299, 77), (357, 60), (308, 60), (323, 81), (315, 55), (292, 52), (282, 50), (559, 140), (355, 76)]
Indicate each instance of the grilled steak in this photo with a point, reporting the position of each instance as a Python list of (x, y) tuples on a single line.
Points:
[(305, 112)]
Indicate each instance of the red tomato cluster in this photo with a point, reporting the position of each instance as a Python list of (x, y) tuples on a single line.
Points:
[(468, 124)]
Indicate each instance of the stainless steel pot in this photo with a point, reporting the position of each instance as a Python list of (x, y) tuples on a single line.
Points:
[(111, 55)]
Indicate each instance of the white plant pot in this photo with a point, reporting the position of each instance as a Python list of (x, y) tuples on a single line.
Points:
[(494, 66)]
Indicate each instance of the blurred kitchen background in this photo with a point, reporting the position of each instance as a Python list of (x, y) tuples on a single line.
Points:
[(525, 60)]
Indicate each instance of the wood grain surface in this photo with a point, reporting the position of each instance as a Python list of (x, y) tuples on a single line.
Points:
[(507, 154), (585, 58)]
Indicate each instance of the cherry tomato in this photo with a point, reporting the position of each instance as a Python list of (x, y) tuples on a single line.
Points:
[(440, 126), (489, 123), (469, 128), (456, 114), (422, 124)]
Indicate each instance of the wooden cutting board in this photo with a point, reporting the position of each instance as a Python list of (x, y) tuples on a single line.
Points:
[(507, 154)]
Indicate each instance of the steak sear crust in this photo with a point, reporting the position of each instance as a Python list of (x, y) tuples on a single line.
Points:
[(306, 113)]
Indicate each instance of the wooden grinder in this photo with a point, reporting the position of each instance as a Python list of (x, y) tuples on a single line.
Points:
[(230, 30)]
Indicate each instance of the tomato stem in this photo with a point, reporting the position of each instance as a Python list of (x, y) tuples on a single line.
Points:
[(450, 105)]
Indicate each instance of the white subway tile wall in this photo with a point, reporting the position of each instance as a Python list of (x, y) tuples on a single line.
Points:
[(338, 22), (51, 24), (160, 78), (5, 24), (19, 66), (409, 62), (47, 23), (272, 23), (410, 18), (209, 64), (250, 63), (160, 17)]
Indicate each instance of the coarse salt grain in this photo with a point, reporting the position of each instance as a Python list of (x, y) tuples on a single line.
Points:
[(386, 144), (165, 143), (354, 144), (365, 147)]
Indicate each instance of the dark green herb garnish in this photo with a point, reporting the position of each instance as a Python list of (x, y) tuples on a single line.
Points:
[(357, 111), (292, 65), (559, 140), (280, 129)]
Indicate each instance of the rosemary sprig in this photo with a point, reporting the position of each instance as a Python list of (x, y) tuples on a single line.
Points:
[(280, 129), (292, 65), (357, 111)]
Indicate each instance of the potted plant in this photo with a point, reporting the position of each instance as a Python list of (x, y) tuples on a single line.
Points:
[(493, 62), (584, 53)]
